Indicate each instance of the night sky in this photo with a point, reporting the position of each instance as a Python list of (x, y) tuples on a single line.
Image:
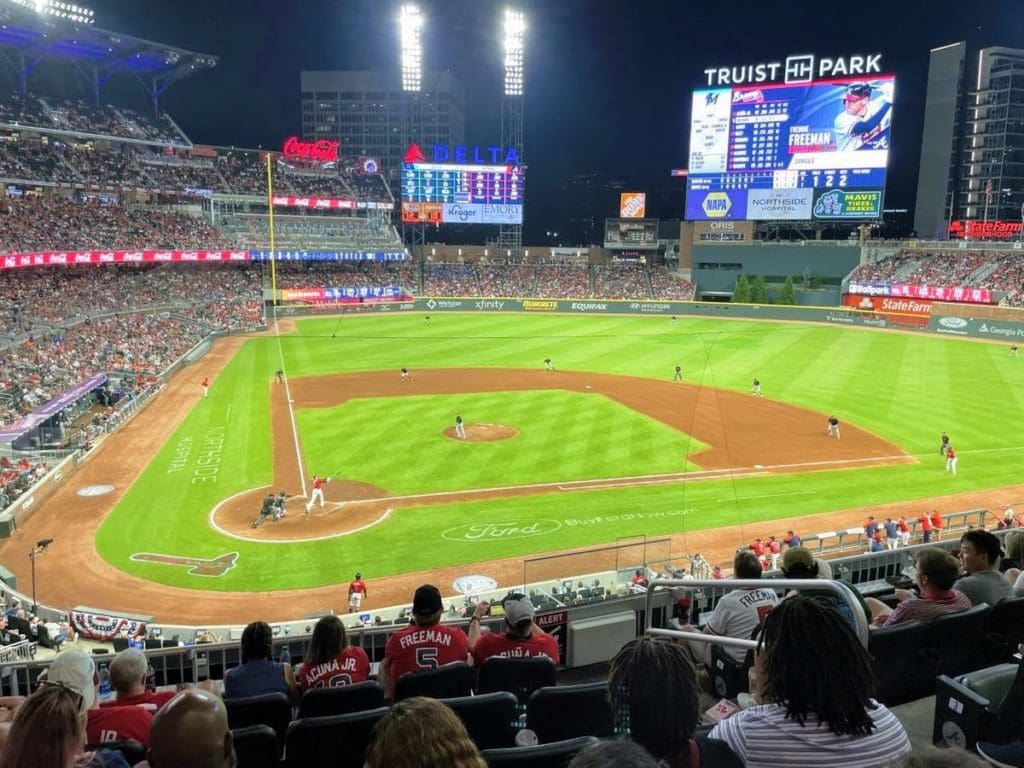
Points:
[(607, 81)]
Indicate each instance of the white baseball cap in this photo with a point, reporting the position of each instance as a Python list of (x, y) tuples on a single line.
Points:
[(76, 670)]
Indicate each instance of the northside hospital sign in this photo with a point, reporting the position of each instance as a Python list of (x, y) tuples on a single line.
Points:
[(802, 68)]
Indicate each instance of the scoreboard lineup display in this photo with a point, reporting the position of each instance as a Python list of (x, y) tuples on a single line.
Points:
[(790, 151), (447, 193)]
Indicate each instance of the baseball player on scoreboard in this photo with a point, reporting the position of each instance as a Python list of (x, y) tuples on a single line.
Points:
[(318, 492), (864, 122)]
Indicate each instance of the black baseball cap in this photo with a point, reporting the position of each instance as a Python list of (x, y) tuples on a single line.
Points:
[(427, 600)]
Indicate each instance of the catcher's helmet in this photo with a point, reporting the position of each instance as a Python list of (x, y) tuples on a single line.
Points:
[(857, 91)]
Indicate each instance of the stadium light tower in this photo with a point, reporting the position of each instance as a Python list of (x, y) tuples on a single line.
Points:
[(68, 11), (410, 22), (511, 235)]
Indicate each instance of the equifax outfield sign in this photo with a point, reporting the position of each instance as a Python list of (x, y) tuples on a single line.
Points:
[(802, 68)]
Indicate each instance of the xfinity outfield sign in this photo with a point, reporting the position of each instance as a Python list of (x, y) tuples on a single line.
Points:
[(803, 68)]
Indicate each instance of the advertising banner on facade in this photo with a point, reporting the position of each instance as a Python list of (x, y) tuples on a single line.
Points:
[(632, 205), (845, 204), (779, 204)]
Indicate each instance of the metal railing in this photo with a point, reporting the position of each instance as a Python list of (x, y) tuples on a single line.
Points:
[(842, 590)]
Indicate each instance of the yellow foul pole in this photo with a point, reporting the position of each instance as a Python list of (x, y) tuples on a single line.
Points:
[(270, 207)]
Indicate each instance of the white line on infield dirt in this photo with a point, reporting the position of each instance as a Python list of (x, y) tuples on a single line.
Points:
[(213, 524), (291, 411)]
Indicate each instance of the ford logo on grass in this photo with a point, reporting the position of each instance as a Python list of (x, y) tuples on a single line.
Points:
[(474, 584), (952, 322), (500, 531)]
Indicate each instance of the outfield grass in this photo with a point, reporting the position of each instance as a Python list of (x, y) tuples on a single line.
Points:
[(906, 387)]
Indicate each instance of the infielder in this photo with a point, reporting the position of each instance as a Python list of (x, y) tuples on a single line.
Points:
[(679, 373), (460, 427), (864, 122), (548, 366), (206, 386), (951, 460), (757, 388), (280, 375), (405, 375), (944, 445), (833, 427), (1013, 351), (318, 492)]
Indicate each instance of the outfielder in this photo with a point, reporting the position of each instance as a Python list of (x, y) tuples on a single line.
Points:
[(679, 373), (833, 427), (460, 427), (757, 388), (318, 492), (951, 460), (944, 445)]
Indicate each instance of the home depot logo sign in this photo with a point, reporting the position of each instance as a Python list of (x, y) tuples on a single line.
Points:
[(632, 205)]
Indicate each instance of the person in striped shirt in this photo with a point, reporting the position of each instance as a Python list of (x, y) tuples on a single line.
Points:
[(814, 678), (937, 571)]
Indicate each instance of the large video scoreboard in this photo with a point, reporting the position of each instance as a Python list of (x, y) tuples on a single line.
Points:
[(790, 151), (460, 193)]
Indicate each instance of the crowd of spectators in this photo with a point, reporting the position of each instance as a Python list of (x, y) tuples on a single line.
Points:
[(669, 286), (450, 280), (346, 274), (997, 271), (28, 110), (507, 280), (313, 232), (16, 477), (620, 281), (56, 223), (179, 174), (45, 356)]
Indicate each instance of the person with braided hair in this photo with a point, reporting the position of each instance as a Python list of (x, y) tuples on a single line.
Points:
[(814, 679), (655, 702)]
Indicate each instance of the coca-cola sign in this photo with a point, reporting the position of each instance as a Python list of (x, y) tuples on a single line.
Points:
[(985, 230), (322, 150)]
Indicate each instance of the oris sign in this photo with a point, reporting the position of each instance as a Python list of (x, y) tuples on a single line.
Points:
[(321, 151)]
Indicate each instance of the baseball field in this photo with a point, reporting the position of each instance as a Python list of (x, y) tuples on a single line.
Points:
[(604, 447)]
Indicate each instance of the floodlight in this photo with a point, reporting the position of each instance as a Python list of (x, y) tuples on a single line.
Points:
[(68, 11), (410, 22), (515, 33)]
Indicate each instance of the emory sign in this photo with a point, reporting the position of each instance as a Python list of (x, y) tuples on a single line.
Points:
[(804, 68)]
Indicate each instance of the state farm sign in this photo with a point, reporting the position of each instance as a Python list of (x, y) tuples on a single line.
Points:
[(322, 151), (985, 230)]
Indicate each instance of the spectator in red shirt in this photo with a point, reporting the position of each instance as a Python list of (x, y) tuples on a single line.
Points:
[(77, 670), (716, 572), (128, 672), (926, 527), (521, 638), (426, 644), (757, 546), (331, 661), (936, 520)]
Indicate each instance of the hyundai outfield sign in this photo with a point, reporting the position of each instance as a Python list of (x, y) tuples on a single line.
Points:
[(779, 204)]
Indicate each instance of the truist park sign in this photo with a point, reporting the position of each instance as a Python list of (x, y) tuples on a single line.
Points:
[(321, 151), (802, 68)]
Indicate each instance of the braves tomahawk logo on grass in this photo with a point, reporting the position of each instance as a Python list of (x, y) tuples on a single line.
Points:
[(216, 566)]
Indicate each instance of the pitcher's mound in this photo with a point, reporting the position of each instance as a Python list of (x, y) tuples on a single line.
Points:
[(480, 433)]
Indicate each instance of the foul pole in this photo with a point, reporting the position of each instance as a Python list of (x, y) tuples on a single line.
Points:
[(270, 222)]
